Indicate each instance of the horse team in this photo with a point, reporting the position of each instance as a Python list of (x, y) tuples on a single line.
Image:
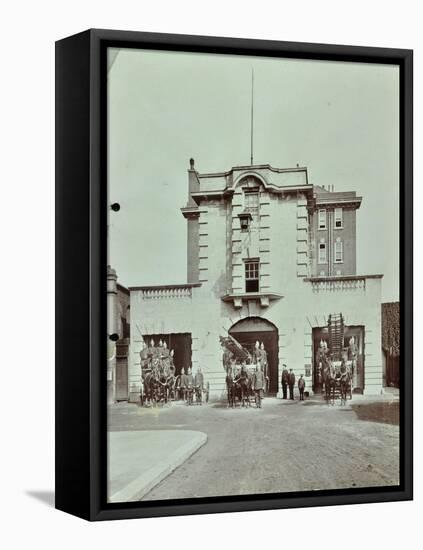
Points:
[(336, 376), (244, 386)]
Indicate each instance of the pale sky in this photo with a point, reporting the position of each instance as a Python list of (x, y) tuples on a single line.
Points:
[(340, 120)]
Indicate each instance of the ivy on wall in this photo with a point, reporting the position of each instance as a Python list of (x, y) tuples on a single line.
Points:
[(391, 328)]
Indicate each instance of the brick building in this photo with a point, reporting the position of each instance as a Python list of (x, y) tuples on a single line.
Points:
[(270, 257)]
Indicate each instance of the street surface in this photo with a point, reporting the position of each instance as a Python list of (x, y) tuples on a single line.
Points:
[(285, 446)]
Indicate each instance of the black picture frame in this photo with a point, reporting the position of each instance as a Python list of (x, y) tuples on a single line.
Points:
[(81, 211)]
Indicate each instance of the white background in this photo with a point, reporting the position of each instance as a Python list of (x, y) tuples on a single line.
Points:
[(28, 32)]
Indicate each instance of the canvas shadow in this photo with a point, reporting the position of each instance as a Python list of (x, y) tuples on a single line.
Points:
[(46, 497)]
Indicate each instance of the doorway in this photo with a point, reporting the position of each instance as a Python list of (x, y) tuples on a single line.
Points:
[(248, 331), (122, 350)]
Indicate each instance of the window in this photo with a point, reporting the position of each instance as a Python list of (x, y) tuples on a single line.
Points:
[(322, 219), (252, 276), (251, 202), (322, 253), (338, 218), (339, 252)]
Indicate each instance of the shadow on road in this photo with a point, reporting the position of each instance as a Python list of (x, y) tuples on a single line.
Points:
[(385, 413)]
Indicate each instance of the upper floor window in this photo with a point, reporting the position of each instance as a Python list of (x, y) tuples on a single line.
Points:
[(339, 223), (252, 275), (322, 218), (339, 252), (322, 253), (252, 202)]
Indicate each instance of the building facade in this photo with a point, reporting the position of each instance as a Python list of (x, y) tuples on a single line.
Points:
[(270, 258)]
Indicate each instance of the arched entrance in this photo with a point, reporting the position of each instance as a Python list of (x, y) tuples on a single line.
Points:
[(248, 331)]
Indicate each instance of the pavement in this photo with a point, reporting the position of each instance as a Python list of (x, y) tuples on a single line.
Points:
[(140, 460), (285, 446)]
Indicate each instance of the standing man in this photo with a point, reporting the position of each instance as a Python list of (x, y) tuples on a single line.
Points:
[(151, 353), (199, 385), (352, 355), (189, 381), (227, 357), (301, 386), (257, 353), (165, 359), (182, 383), (291, 382), (264, 366), (258, 384), (285, 380)]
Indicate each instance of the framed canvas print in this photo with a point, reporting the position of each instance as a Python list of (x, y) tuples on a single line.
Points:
[(234, 274)]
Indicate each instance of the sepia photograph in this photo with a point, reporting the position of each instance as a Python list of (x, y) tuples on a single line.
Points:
[(253, 235)]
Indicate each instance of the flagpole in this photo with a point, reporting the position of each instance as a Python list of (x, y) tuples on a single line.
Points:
[(252, 115)]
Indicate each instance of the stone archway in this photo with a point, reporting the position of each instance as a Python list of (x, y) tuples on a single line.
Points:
[(247, 331)]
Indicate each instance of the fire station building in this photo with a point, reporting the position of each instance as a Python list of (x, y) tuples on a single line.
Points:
[(270, 257)]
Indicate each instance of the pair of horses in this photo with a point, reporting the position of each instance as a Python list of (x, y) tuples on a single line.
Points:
[(157, 385), (336, 376), (239, 388)]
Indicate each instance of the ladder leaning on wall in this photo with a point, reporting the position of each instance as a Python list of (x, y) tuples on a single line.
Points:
[(336, 335)]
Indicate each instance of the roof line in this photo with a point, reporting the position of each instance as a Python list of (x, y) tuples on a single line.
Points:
[(251, 167)]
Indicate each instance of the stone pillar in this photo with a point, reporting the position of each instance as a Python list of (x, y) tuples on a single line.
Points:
[(112, 328), (192, 218)]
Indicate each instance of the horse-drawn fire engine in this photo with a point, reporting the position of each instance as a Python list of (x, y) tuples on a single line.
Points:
[(160, 385), (336, 362), (246, 372)]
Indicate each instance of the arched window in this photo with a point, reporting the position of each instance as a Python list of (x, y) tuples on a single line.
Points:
[(251, 190)]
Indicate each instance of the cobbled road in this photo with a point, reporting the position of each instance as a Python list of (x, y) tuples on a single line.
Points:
[(285, 446)]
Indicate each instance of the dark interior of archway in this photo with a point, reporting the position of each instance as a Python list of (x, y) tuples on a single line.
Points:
[(180, 343), (270, 341)]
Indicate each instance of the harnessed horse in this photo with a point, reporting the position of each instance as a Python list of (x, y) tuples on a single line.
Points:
[(233, 389), (344, 383), (148, 387), (329, 380), (243, 379)]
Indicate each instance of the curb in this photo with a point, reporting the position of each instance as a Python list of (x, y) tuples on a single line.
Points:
[(143, 484)]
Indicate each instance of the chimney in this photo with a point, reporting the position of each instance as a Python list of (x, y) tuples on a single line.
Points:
[(193, 182)]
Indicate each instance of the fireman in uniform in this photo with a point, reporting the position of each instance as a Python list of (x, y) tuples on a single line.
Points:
[(285, 381), (291, 383), (258, 384)]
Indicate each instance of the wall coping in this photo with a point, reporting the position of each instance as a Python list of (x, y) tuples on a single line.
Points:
[(165, 287), (341, 278)]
